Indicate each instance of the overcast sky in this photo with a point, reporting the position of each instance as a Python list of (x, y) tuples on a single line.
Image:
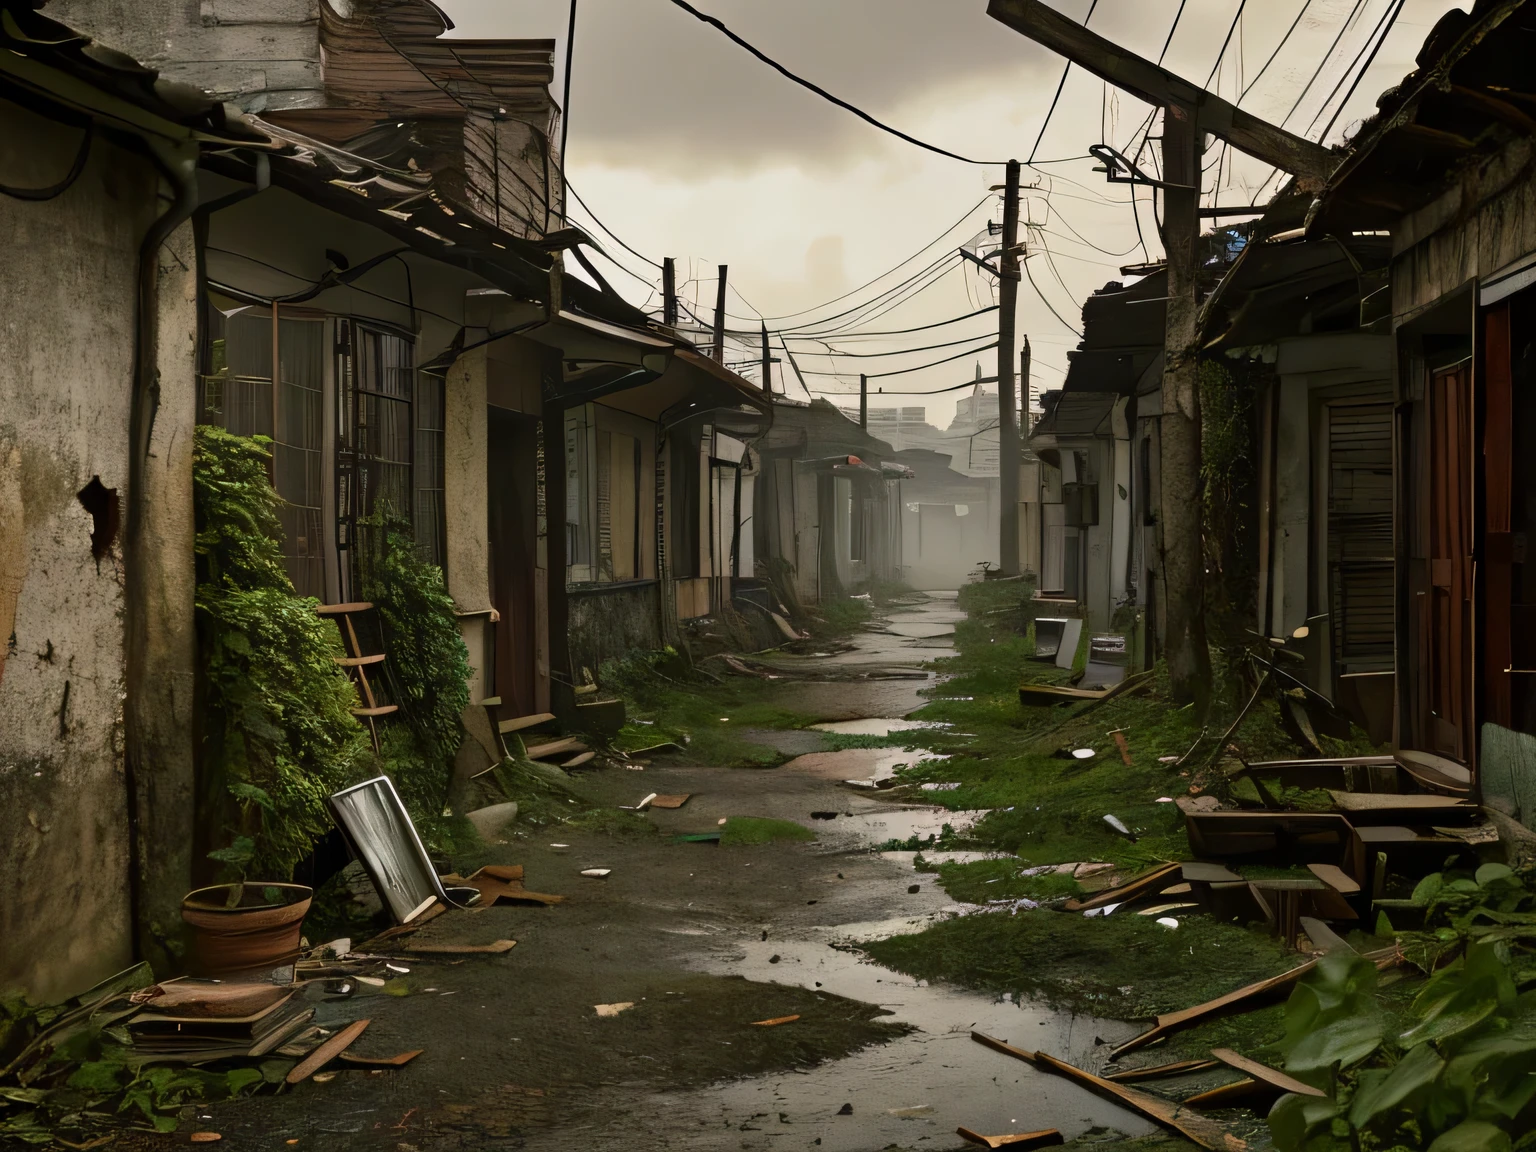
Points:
[(686, 146)]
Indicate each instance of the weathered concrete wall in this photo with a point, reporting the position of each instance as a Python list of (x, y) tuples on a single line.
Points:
[(465, 508), (609, 622), (260, 54), (66, 348), (162, 695)]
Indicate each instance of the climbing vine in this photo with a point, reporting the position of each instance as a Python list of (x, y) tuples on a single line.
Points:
[(278, 734), (428, 665)]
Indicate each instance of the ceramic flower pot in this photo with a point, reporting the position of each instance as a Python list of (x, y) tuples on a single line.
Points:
[(244, 929)]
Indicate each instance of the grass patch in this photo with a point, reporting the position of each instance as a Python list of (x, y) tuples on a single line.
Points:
[(983, 880), (612, 822), (760, 830), (1124, 966)]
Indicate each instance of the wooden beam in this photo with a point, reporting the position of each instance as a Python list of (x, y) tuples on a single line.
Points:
[(1156, 85)]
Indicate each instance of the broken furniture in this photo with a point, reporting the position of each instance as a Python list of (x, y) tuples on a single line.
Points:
[(512, 726), (1108, 661), (381, 836), (1049, 633), (357, 663)]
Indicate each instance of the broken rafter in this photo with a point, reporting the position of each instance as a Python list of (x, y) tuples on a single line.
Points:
[(1146, 80)]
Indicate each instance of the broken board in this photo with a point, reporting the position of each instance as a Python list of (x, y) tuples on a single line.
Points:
[(1045, 1138), (1291, 837)]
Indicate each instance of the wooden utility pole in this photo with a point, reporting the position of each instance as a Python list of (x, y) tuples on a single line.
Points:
[(669, 291), (1026, 394), (767, 363), (720, 318), (1181, 548), (1188, 113), (1007, 396), (863, 401)]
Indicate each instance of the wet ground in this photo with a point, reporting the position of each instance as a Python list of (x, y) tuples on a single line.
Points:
[(703, 941)]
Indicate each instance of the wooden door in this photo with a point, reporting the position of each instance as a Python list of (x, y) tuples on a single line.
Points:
[(1498, 540), (1448, 604)]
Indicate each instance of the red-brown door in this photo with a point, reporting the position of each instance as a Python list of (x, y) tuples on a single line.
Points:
[(1448, 605)]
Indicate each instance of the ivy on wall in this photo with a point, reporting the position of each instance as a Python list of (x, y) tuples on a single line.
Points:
[(428, 665), (279, 735)]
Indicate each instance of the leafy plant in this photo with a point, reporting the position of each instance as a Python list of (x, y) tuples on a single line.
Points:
[(278, 731), (1460, 1078), (428, 663)]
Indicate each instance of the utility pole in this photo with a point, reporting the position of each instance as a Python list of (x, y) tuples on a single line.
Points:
[(669, 292), (1007, 397), (720, 318), (767, 363), (863, 401), (1026, 392), (1180, 547), (1180, 542)]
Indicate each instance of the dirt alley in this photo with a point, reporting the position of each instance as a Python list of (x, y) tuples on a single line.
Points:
[(704, 940)]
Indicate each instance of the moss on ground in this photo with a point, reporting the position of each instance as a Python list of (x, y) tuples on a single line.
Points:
[(760, 830), (983, 880), (1127, 967)]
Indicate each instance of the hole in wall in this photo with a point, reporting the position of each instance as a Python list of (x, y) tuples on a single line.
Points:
[(101, 502)]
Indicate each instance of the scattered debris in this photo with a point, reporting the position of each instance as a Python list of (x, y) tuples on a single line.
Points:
[(327, 1052), (776, 1021), (845, 1110), (596, 873), (495, 948), (502, 882), (1117, 825), (642, 806), (379, 831), (1158, 1071), (397, 1061), (1277, 1080), (1124, 745), (1142, 885), (1168, 922), (1045, 1138), (674, 801), (913, 889), (613, 1009), (204, 1137)]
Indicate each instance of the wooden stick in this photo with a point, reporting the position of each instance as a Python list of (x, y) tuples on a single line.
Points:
[(327, 1052), (1158, 1071), (1004, 1047), (1045, 1138)]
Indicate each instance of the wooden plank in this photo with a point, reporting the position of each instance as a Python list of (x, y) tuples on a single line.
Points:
[(521, 722), (1045, 1138), (342, 609), (1137, 886), (1206, 1133), (1158, 1071), (380, 710), (1335, 877), (555, 747), (1108, 61), (327, 1052), (359, 661), (1264, 1073), (1004, 1047), (1229, 1095), (495, 948)]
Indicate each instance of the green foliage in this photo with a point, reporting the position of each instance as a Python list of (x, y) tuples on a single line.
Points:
[(760, 830), (278, 732), (1228, 479), (428, 664), (1461, 1077)]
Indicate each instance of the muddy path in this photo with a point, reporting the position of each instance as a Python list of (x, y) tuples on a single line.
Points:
[(704, 940)]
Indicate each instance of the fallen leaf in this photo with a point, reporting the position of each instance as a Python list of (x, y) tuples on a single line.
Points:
[(777, 1020)]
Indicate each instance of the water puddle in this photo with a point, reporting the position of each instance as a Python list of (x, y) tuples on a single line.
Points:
[(879, 726), (903, 823), (868, 765), (919, 629), (911, 1092)]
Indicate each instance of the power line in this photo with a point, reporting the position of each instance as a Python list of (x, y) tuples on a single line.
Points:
[(1259, 75), (917, 368), (1233, 28), (918, 328), (899, 351), (1387, 21), (1353, 12), (614, 235), (1051, 307), (823, 93), (1060, 84), (1177, 16)]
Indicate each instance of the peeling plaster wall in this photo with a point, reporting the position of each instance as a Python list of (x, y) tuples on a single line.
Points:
[(66, 348)]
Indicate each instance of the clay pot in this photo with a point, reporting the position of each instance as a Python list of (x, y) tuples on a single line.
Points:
[(241, 929)]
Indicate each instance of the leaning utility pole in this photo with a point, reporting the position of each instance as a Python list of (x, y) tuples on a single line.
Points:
[(720, 318), (1188, 112), (669, 292), (863, 401), (1007, 397)]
